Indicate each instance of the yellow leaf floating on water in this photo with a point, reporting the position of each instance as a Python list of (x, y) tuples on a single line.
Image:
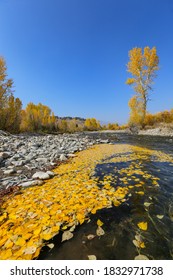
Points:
[(116, 203), (143, 225), (141, 257), (142, 245), (46, 236), (140, 193), (93, 211), (92, 257), (66, 235), (99, 223), (160, 216), (100, 231), (90, 236), (51, 245)]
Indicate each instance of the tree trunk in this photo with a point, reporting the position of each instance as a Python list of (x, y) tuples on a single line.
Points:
[(144, 108)]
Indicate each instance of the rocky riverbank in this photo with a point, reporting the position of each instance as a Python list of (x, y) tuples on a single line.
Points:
[(27, 160), (159, 131)]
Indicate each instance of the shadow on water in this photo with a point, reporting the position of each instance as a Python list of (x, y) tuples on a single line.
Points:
[(120, 224)]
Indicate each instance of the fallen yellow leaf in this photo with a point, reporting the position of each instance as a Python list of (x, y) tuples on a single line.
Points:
[(99, 223), (143, 225)]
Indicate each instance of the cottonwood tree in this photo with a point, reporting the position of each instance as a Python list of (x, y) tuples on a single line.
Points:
[(10, 107), (136, 111), (5, 91), (143, 67), (92, 124), (37, 118)]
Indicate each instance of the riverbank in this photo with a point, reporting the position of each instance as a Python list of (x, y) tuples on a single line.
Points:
[(27, 160), (159, 131)]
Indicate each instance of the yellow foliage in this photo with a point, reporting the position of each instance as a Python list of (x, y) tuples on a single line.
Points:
[(99, 223), (143, 67), (10, 107), (37, 118), (92, 124)]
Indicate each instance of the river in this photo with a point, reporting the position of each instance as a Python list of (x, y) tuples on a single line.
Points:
[(143, 223)]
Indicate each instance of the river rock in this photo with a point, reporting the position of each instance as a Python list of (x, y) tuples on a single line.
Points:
[(9, 171), (62, 157), (4, 155), (31, 183), (41, 175), (50, 173)]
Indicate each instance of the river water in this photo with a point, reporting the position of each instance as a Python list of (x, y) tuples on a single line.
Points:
[(124, 239)]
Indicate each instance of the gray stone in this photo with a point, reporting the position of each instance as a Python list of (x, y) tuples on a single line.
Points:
[(50, 173), (4, 155), (62, 157), (31, 183), (71, 155), (18, 163), (9, 171), (41, 175), (43, 159)]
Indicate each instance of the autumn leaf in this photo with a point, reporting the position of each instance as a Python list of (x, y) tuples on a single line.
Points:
[(37, 231), (20, 241), (116, 203), (29, 250), (51, 245), (141, 257), (143, 225), (160, 216), (100, 231), (99, 223), (90, 236), (92, 257), (66, 235)]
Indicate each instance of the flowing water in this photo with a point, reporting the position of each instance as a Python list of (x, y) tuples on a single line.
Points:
[(143, 223)]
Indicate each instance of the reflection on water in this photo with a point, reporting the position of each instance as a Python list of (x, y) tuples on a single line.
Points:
[(150, 200)]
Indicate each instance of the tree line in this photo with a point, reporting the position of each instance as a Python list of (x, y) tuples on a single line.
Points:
[(35, 117)]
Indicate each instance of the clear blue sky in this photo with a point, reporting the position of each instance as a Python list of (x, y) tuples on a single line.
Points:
[(71, 54)]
